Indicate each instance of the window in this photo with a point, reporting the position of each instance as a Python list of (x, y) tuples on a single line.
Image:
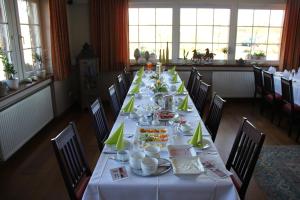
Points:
[(20, 34), (29, 32), (204, 28), (259, 34), (4, 36), (150, 29)]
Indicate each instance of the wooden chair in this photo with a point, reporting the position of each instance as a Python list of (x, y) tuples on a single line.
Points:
[(258, 80), (100, 122), (72, 161), (121, 88), (127, 80), (191, 80), (201, 97), (288, 106), (244, 154), (114, 100), (269, 96), (214, 116), (196, 86)]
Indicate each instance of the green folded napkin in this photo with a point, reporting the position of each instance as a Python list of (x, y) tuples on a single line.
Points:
[(138, 80), (197, 139), (135, 90), (117, 138), (180, 90), (172, 70), (130, 106), (141, 71), (174, 78), (184, 105)]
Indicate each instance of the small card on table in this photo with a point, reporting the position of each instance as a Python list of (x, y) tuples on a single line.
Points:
[(118, 173), (211, 166)]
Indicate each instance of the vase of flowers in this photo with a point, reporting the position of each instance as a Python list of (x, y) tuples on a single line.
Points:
[(159, 87)]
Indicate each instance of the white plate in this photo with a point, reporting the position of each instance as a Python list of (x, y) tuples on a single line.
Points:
[(181, 94), (181, 150), (189, 165), (190, 109), (206, 144)]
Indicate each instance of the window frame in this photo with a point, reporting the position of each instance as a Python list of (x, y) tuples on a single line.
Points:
[(274, 5), (155, 25), (15, 37), (268, 27), (213, 26)]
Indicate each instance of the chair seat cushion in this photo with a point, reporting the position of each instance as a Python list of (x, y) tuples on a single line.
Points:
[(259, 89), (287, 107), (235, 183), (270, 97), (81, 186)]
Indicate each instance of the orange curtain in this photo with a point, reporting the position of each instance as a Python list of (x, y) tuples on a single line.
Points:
[(109, 33), (290, 44), (60, 50)]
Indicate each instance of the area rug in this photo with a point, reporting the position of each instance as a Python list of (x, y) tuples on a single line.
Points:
[(278, 172)]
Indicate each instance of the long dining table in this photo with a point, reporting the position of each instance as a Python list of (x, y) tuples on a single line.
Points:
[(296, 87), (206, 185)]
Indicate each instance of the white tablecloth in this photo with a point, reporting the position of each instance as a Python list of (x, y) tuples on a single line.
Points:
[(167, 186), (296, 88)]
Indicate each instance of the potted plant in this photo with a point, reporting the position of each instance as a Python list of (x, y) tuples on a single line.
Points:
[(260, 55), (225, 52), (10, 72), (38, 61)]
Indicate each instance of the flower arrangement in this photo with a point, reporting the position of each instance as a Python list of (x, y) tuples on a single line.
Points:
[(159, 87), (155, 76)]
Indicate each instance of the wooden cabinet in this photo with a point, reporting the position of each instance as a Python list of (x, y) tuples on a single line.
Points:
[(89, 76)]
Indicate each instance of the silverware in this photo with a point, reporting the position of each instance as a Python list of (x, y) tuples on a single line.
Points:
[(109, 152)]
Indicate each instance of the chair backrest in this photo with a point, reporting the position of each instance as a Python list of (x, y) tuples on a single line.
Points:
[(127, 80), (71, 159), (121, 88), (268, 85), (244, 154), (100, 122), (201, 97), (191, 80), (214, 116), (258, 77), (287, 91), (114, 100), (196, 86)]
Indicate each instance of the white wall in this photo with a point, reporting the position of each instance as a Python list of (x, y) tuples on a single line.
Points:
[(79, 26)]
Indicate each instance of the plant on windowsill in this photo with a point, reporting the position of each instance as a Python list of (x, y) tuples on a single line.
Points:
[(10, 72), (260, 55), (38, 63), (225, 52)]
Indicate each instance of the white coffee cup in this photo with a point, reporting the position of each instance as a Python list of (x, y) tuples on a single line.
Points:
[(185, 127), (149, 165), (152, 151), (135, 159)]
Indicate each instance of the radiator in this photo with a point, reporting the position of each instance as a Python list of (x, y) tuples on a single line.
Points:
[(233, 84), (21, 121)]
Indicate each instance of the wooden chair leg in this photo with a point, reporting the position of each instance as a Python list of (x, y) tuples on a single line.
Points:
[(291, 121), (279, 120), (297, 139), (254, 98)]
